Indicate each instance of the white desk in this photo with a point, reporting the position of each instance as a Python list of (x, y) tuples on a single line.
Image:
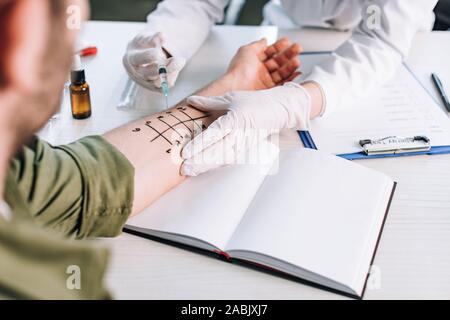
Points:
[(414, 252)]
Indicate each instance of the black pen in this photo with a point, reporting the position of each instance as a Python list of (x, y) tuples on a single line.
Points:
[(437, 82)]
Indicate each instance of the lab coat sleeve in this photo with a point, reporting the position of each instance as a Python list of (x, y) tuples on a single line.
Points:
[(185, 24), (372, 55)]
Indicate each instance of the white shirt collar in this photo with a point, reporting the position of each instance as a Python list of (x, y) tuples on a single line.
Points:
[(5, 211)]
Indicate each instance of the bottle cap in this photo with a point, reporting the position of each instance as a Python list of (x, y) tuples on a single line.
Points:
[(77, 75)]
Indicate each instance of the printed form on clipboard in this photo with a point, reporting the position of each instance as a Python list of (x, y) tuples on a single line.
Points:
[(402, 110)]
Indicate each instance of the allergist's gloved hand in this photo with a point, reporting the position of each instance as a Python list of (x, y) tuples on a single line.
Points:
[(143, 57), (251, 116)]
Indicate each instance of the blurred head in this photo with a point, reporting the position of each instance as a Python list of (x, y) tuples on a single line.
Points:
[(36, 47)]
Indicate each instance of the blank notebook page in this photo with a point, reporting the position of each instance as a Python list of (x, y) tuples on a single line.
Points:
[(320, 213)]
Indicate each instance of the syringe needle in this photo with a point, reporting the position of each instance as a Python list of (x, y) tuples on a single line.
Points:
[(167, 103)]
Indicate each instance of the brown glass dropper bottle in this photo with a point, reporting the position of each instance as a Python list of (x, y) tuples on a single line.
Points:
[(80, 97)]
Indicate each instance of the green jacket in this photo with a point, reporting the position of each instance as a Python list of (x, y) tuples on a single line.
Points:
[(58, 195)]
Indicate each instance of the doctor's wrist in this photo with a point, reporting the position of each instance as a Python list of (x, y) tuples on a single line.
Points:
[(317, 98)]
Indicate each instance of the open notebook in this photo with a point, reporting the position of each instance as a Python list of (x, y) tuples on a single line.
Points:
[(316, 217)]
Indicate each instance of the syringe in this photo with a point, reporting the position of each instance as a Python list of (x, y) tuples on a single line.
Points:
[(162, 71)]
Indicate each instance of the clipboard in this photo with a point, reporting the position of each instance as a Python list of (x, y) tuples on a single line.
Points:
[(392, 144), (308, 142)]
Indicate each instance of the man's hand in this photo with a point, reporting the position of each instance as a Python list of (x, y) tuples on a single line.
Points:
[(257, 66)]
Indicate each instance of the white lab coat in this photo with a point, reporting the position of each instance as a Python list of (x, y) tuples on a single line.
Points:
[(366, 60)]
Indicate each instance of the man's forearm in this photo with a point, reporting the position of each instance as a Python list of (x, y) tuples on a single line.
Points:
[(153, 145)]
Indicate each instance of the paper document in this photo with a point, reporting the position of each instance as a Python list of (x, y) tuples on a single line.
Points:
[(402, 108)]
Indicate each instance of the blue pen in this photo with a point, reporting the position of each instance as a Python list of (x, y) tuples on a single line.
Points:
[(438, 83)]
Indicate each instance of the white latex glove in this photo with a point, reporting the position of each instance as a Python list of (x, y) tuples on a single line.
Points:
[(252, 116), (144, 56)]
